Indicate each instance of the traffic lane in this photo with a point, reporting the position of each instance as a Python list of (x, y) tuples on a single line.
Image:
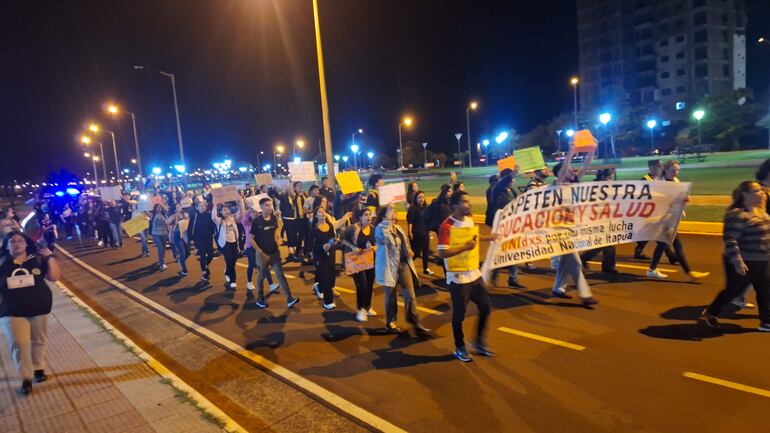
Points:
[(344, 344)]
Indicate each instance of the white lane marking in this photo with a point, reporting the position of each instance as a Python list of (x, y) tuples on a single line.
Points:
[(159, 368), (541, 338), (288, 375)]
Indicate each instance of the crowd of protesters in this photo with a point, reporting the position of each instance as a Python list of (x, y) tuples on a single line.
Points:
[(315, 223)]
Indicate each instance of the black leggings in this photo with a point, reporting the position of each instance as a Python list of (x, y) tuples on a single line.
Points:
[(105, 233), (364, 282), (420, 249), (230, 252), (758, 276), (678, 251), (326, 276)]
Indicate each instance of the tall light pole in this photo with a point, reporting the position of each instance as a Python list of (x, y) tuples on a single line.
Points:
[(605, 118), (95, 128), (485, 142), (295, 145), (259, 163), (425, 154), (472, 106), (354, 149), (353, 142), (408, 122), (324, 101), (370, 155), (176, 108), (95, 158), (575, 81), (458, 136), (279, 149), (87, 140), (698, 115), (652, 123), (114, 110)]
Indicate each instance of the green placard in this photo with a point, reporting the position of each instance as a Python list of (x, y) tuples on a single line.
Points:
[(529, 159)]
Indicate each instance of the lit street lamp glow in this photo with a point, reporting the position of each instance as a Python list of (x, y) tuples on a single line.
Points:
[(354, 148), (93, 127), (605, 118), (652, 123), (85, 139), (156, 170), (570, 132), (370, 155), (408, 122), (698, 114)]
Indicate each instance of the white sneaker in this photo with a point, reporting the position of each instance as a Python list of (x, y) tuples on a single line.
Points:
[(656, 274), (330, 306), (250, 285), (100, 243), (274, 287), (429, 272), (227, 279), (163, 267), (361, 315), (317, 292), (232, 285), (371, 312)]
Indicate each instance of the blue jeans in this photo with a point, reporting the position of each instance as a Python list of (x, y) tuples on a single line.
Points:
[(145, 245), (117, 233), (182, 253), (251, 256), (160, 244)]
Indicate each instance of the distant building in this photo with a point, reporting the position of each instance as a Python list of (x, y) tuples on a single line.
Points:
[(668, 54)]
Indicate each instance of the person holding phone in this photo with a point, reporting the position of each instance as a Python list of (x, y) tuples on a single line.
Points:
[(25, 303)]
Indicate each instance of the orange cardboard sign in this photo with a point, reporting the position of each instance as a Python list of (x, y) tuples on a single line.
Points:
[(504, 163), (584, 141)]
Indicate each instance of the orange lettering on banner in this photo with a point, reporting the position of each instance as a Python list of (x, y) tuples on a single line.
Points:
[(504, 163)]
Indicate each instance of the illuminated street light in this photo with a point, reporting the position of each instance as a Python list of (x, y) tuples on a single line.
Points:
[(698, 115), (570, 132), (652, 123), (93, 128), (604, 119), (408, 122), (353, 143), (472, 106), (113, 110), (85, 139), (575, 81), (156, 171)]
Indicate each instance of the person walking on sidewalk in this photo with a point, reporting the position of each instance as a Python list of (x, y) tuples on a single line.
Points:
[(201, 230), (264, 237), (464, 285), (393, 266), (747, 253), (670, 174), (25, 303)]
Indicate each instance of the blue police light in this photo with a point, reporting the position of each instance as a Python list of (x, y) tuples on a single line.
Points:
[(59, 194), (73, 191)]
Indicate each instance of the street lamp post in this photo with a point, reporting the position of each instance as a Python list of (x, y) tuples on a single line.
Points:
[(95, 128), (472, 106), (176, 108), (96, 177), (408, 122), (353, 142), (324, 101), (425, 154), (605, 118), (652, 123), (698, 115), (485, 142), (575, 81), (298, 143), (459, 151), (370, 155), (354, 149), (113, 110)]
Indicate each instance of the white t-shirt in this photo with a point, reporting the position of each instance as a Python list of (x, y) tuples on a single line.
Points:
[(463, 277)]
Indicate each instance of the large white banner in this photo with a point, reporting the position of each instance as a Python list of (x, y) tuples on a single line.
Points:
[(554, 220)]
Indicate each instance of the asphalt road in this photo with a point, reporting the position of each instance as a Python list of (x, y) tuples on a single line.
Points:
[(618, 367)]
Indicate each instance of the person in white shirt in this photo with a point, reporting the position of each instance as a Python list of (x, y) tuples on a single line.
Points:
[(466, 285)]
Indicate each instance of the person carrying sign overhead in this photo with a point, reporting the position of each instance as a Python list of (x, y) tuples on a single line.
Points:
[(458, 245)]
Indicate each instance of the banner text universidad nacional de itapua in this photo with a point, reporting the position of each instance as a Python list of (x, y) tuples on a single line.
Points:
[(553, 220)]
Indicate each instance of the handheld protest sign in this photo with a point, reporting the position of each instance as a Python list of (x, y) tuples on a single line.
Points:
[(302, 171), (509, 162), (350, 182), (468, 260), (225, 194), (583, 141), (529, 159), (263, 179), (392, 193)]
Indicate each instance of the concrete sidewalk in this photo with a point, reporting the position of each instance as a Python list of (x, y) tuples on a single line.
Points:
[(95, 384)]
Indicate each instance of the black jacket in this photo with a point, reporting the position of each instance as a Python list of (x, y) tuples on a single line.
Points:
[(201, 228)]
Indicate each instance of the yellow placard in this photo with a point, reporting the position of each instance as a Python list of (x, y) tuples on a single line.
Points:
[(584, 141), (350, 182), (504, 163), (468, 260), (529, 159), (136, 225)]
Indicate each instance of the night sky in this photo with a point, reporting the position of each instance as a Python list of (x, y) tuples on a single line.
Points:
[(247, 76)]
